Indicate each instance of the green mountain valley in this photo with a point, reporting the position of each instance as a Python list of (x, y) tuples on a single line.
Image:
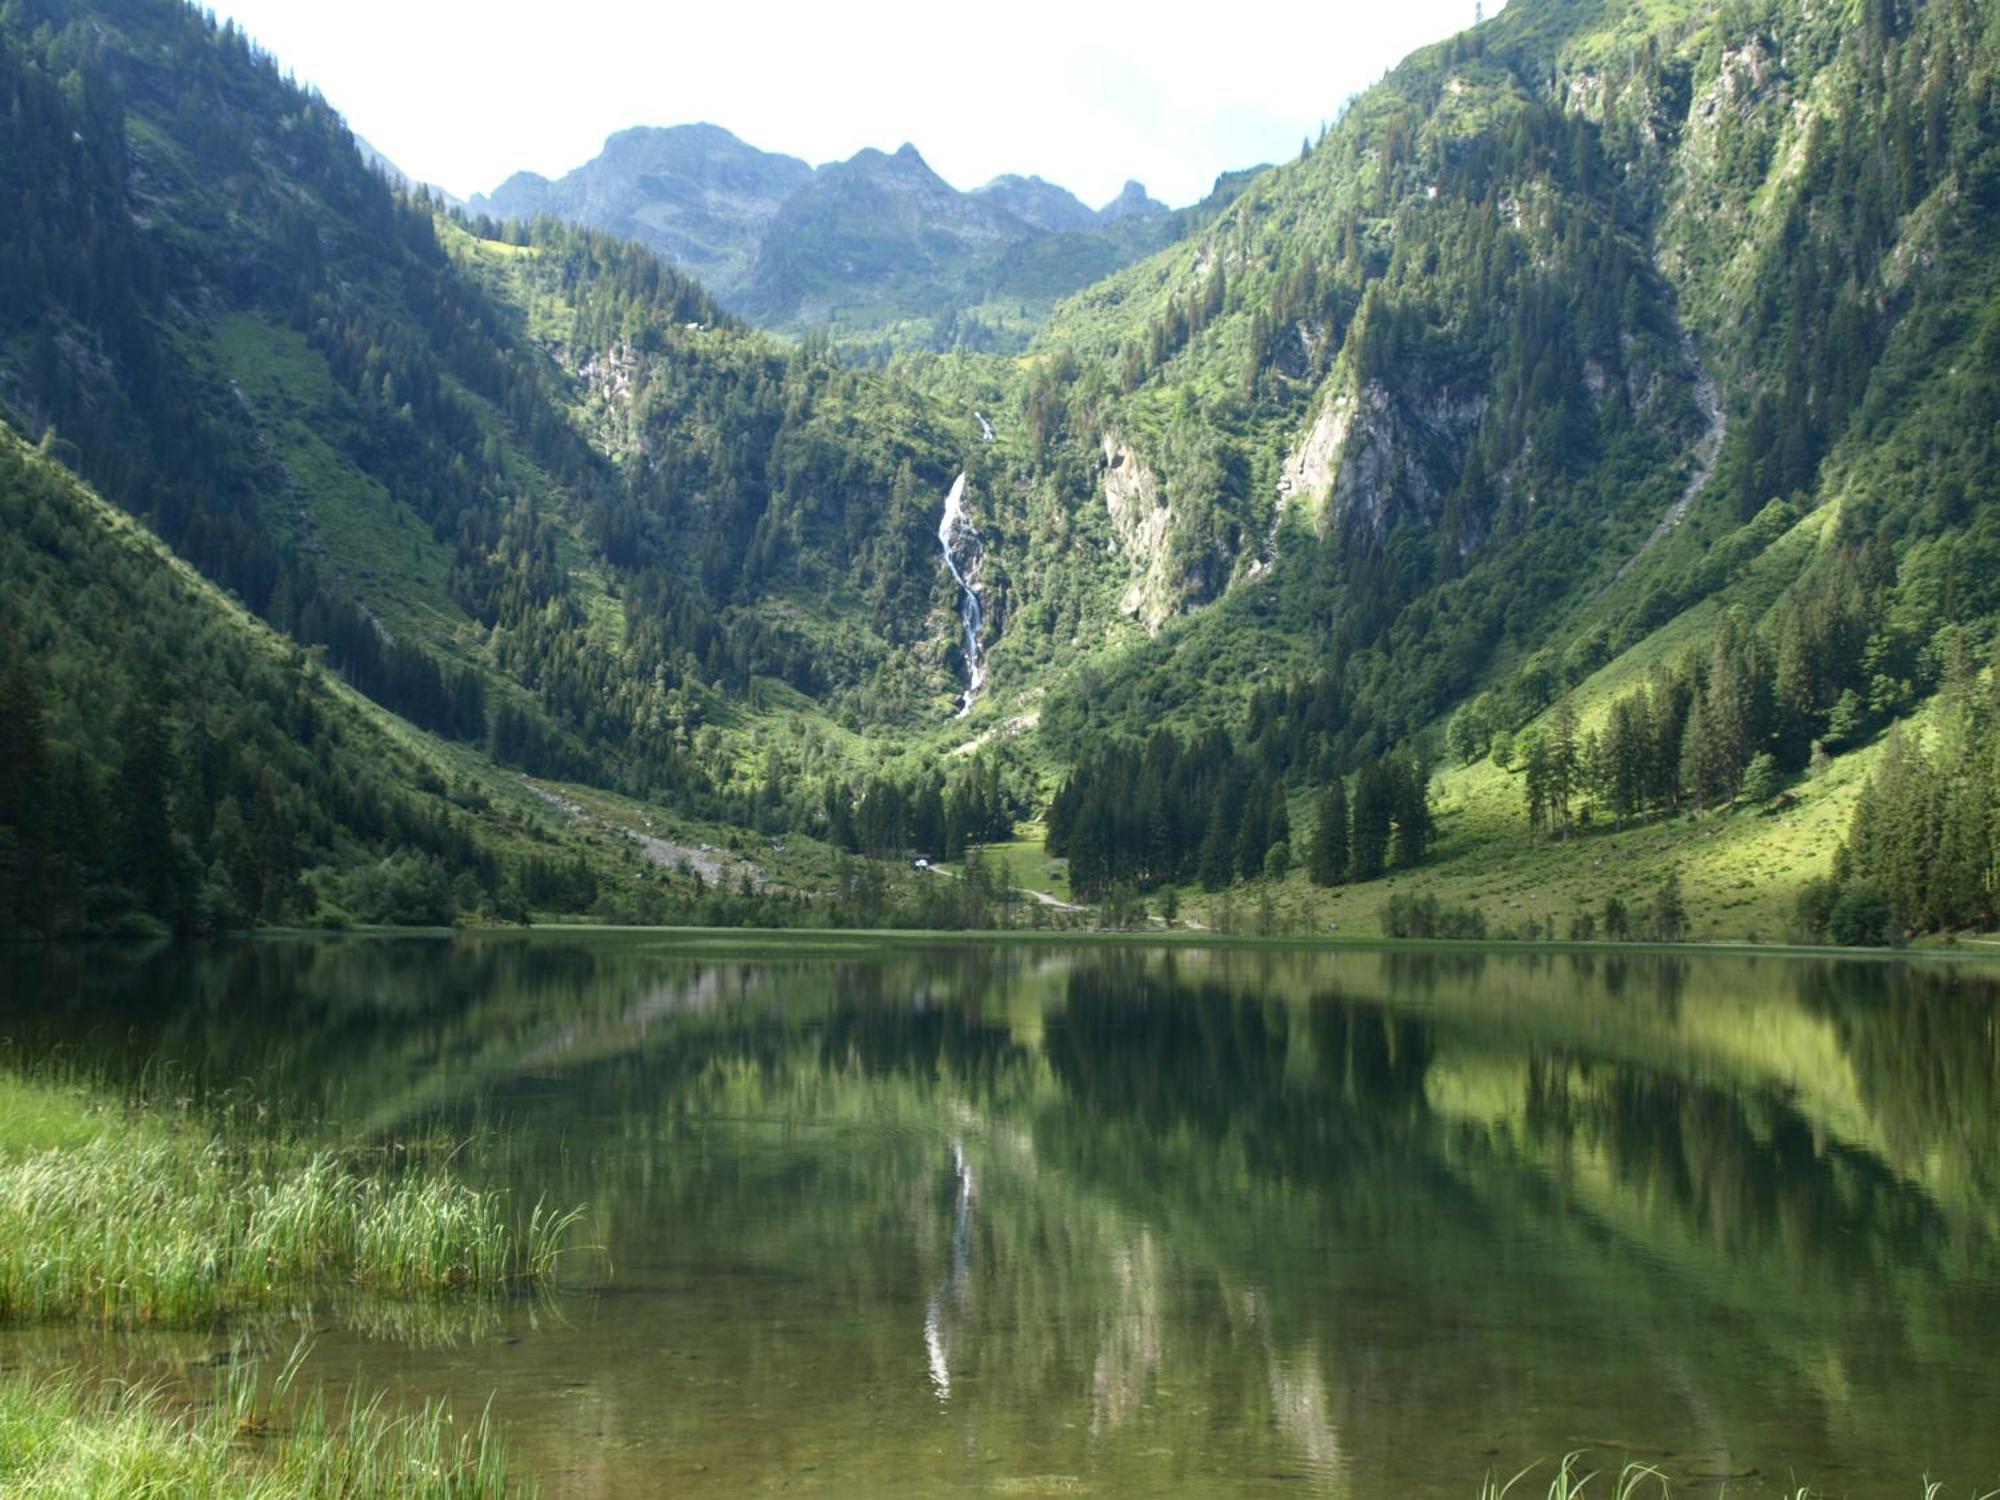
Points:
[(1562, 503)]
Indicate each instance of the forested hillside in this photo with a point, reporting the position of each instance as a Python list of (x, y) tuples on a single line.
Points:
[(542, 496), (167, 763), (1580, 460), (1604, 339)]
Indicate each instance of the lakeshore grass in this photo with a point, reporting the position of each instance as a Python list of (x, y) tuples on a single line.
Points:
[(1572, 1480), (130, 1215), (63, 1438)]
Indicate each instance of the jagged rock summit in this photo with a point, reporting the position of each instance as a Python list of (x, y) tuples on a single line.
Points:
[(695, 194), (1132, 202), (878, 241)]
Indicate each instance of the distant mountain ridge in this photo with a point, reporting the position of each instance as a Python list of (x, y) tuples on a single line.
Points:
[(876, 243), (692, 193)]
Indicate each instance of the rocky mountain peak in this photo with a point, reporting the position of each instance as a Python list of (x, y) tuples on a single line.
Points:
[(1132, 202)]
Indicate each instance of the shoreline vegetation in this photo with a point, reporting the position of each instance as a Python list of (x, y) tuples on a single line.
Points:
[(752, 941), (67, 1439), (135, 1215), (1636, 1480), (124, 1215)]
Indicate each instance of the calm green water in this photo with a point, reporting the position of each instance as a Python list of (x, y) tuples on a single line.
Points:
[(1122, 1222)]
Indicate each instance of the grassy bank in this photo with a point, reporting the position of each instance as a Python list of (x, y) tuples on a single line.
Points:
[(133, 1215), (61, 1439)]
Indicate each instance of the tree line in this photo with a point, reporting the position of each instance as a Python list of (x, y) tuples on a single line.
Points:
[(1922, 852), (1204, 810), (1728, 723), (929, 815)]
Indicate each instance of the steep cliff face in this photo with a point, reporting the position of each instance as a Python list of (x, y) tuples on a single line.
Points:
[(1373, 460), (1413, 350), (1544, 342), (1141, 520)]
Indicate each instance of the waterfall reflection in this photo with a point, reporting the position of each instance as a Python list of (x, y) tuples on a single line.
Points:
[(945, 1312)]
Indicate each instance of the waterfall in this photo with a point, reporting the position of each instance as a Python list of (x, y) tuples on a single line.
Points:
[(969, 610), (985, 427)]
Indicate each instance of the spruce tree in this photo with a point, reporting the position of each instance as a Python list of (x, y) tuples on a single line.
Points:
[(146, 776), (1216, 862), (1374, 814), (1411, 812), (1279, 824), (1327, 859), (25, 791), (1564, 765), (1669, 910), (1535, 780)]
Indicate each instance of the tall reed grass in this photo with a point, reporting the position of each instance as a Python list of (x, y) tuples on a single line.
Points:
[(1640, 1481), (64, 1439), (147, 1218)]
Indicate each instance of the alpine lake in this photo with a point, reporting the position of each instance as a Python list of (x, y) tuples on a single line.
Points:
[(872, 1217)]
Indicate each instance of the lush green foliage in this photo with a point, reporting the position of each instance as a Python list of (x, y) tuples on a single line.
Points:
[(1921, 853), (1658, 339), (63, 1438), (1171, 812), (1407, 916), (164, 759), (142, 1217)]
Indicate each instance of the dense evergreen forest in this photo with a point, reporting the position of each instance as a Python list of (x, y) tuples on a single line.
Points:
[(162, 763), (1169, 813), (1594, 436)]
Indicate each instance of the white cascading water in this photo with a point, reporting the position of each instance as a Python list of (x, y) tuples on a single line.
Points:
[(968, 610), (985, 427)]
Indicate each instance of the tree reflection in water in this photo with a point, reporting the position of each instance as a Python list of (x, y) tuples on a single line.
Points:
[(1366, 1222)]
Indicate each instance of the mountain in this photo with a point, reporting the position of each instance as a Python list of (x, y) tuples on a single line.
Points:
[(1571, 482), (436, 461), (1132, 202), (694, 194), (875, 223), (1593, 369), (165, 758), (1038, 204), (878, 250)]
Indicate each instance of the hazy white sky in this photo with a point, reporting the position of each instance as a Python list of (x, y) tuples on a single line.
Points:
[(1086, 94)]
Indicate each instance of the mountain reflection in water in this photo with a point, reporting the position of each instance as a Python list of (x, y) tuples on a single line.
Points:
[(1162, 1221)]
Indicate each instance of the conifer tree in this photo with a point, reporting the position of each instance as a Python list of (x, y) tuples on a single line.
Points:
[(1411, 812), (1279, 824), (1327, 861), (25, 790), (146, 777), (1373, 815), (1536, 778), (1669, 910), (1564, 765), (1217, 860)]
